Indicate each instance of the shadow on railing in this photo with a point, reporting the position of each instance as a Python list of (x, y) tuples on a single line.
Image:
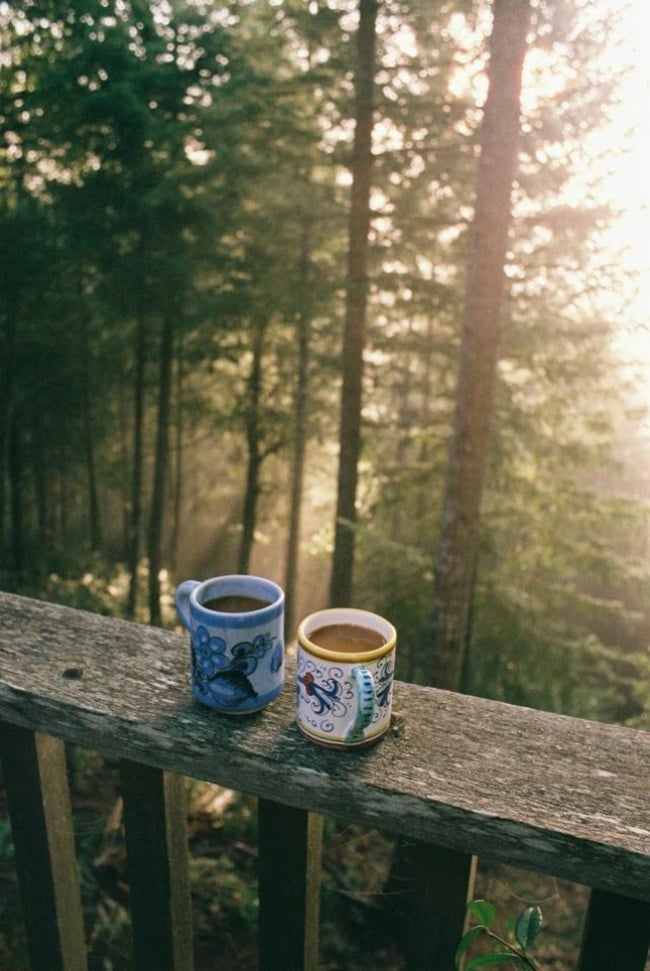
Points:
[(458, 776)]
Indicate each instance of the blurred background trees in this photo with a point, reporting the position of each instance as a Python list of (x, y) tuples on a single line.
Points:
[(174, 202)]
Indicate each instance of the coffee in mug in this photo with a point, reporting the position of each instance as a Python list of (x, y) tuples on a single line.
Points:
[(235, 604), (348, 638)]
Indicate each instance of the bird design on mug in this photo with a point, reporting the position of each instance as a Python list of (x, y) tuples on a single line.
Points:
[(325, 696), (226, 680)]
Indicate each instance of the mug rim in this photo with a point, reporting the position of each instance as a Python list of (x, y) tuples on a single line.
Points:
[(346, 615), (238, 618)]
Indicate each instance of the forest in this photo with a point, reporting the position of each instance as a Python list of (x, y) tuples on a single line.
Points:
[(240, 330), (180, 264)]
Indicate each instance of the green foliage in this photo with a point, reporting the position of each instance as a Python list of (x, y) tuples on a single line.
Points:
[(394, 578), (513, 952), (195, 168), (222, 830), (12, 932)]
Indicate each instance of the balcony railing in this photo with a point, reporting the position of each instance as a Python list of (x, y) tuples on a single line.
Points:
[(460, 776)]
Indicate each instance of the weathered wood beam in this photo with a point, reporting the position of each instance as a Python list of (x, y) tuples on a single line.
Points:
[(560, 795)]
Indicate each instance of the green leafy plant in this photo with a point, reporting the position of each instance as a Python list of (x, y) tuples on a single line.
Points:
[(525, 930)]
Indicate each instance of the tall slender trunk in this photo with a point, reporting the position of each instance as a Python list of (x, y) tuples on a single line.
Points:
[(355, 311), (455, 568), (135, 518), (125, 478), (16, 500), (425, 411), (94, 516), (299, 429), (178, 459), (255, 454), (7, 415), (156, 516), (39, 476), (63, 502)]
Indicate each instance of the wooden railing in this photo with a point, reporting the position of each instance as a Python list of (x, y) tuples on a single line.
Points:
[(457, 775)]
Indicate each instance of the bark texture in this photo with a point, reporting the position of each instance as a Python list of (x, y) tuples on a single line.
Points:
[(455, 568), (355, 313)]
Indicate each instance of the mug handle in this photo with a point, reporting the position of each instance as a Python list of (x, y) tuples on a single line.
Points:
[(365, 685), (182, 598)]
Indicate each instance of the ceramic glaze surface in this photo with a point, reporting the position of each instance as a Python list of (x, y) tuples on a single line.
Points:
[(331, 705), (237, 659)]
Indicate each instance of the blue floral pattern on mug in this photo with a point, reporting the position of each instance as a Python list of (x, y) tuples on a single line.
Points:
[(224, 677), (384, 682)]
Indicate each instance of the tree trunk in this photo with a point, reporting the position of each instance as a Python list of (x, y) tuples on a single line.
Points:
[(254, 446), (124, 470), (63, 501), (7, 415), (16, 501), (135, 517), (39, 476), (355, 312), (458, 545), (157, 512), (178, 459), (94, 517), (300, 430)]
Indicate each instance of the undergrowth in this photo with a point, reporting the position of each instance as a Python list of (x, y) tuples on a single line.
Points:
[(359, 927)]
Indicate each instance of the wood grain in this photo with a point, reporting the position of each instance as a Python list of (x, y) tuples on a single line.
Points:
[(561, 795), (34, 774)]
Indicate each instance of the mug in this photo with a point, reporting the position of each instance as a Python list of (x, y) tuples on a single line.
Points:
[(344, 677), (236, 626)]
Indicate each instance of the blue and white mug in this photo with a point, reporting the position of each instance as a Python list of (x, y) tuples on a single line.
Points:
[(344, 677), (236, 626)]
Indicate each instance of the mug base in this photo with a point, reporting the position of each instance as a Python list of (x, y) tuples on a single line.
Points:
[(248, 707), (335, 743), (232, 713)]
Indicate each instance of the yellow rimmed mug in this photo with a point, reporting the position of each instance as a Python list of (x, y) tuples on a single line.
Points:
[(344, 677)]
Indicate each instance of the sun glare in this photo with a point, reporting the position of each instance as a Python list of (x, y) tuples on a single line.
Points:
[(626, 146)]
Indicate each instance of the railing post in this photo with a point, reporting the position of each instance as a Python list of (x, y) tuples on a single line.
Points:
[(427, 896), (156, 841), (290, 843), (616, 933), (35, 775), (443, 886)]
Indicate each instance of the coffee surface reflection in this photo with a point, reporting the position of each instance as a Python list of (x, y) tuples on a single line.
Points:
[(347, 638), (235, 604)]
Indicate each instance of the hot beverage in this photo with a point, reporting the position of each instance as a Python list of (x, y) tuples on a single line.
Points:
[(235, 603), (347, 638)]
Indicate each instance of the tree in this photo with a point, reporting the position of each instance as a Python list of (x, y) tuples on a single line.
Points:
[(188, 176), (458, 542), (304, 329), (355, 310), (157, 508)]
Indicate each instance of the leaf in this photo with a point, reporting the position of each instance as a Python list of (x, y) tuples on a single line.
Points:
[(528, 926), (489, 960), (466, 941), (483, 911)]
